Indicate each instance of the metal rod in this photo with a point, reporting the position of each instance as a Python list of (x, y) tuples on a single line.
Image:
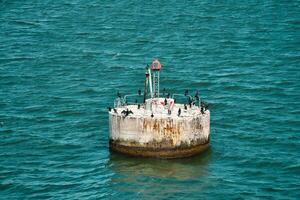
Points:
[(150, 82), (146, 84)]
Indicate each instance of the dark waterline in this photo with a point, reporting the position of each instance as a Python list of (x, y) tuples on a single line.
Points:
[(62, 62)]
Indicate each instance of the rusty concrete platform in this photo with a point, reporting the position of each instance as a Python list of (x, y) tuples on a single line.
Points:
[(155, 132)]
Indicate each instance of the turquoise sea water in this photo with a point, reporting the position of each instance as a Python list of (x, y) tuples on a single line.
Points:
[(62, 62)]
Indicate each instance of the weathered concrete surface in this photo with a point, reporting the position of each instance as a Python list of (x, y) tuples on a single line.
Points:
[(175, 152), (162, 135)]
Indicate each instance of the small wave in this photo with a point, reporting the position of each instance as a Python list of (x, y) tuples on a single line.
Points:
[(293, 168), (68, 112), (25, 23), (89, 91)]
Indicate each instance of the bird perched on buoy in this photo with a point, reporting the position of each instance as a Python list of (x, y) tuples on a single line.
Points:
[(179, 112)]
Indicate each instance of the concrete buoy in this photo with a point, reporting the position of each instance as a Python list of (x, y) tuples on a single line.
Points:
[(159, 127)]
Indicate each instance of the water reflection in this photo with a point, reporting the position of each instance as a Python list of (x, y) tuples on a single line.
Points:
[(181, 169), (148, 178)]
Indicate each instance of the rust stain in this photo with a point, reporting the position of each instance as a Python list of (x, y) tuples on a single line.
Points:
[(164, 129)]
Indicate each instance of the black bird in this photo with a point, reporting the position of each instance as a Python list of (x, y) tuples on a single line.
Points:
[(179, 112), (115, 110), (126, 112), (166, 102), (139, 106), (204, 107), (139, 92), (202, 110), (185, 107), (152, 115), (190, 102), (109, 109), (186, 92), (197, 95)]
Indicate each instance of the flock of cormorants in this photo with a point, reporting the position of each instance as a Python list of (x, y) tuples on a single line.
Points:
[(203, 105)]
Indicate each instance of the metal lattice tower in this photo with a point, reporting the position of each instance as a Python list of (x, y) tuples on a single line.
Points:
[(156, 83), (155, 67)]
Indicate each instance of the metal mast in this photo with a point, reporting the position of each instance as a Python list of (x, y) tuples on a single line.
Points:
[(146, 83)]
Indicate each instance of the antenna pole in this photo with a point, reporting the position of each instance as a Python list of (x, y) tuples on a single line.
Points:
[(150, 83), (146, 83)]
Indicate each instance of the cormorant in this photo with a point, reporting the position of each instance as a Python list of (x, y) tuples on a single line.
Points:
[(179, 112), (190, 102), (126, 112), (186, 92), (203, 107), (202, 110)]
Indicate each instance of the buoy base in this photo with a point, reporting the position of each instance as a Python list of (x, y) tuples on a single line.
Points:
[(176, 152)]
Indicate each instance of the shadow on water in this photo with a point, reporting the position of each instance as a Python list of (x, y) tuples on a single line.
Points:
[(180, 169)]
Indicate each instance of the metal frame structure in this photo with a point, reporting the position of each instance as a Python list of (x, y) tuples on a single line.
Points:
[(152, 80)]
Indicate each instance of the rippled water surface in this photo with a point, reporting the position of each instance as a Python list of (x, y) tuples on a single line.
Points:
[(62, 62)]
